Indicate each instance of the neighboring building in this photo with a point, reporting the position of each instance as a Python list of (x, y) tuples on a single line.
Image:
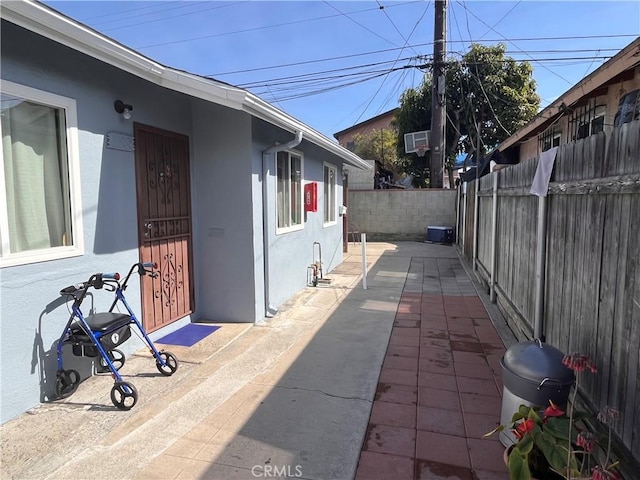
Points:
[(201, 177), (607, 97), (364, 180), (380, 122)]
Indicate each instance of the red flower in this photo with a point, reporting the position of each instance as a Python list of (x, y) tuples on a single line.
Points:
[(608, 415), (578, 363), (586, 440), (601, 473), (552, 410), (523, 428)]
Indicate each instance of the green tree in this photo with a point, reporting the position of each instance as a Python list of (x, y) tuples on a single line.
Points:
[(378, 145), (486, 91)]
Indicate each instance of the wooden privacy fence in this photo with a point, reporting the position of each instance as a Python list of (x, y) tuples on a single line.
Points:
[(584, 287)]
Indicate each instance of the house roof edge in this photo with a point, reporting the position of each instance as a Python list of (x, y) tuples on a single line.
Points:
[(56, 26), (628, 57)]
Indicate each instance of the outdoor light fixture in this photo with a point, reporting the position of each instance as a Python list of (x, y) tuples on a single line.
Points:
[(123, 108)]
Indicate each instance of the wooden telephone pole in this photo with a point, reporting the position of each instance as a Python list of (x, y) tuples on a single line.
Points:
[(438, 101)]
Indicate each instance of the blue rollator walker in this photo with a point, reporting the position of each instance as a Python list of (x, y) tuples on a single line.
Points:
[(98, 334)]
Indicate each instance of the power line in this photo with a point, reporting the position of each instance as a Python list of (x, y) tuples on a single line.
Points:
[(358, 23), (340, 72), (375, 52), (291, 78), (264, 27), (406, 40), (156, 20), (510, 41), (502, 18), (127, 11), (396, 61)]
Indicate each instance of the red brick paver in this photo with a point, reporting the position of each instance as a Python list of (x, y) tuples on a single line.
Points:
[(439, 392)]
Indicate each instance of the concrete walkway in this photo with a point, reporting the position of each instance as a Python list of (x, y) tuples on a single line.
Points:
[(342, 382)]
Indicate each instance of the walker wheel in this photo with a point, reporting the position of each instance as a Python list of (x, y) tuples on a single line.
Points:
[(170, 366), (67, 382), (117, 358), (124, 395)]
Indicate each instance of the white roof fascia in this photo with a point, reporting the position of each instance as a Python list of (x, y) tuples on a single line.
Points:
[(254, 105), (627, 58), (47, 22)]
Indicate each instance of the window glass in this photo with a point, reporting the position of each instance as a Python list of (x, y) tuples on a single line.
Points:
[(36, 201), (288, 190), (329, 194), (587, 120), (296, 190), (549, 138)]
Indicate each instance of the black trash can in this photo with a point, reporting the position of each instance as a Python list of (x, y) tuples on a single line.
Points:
[(532, 374)]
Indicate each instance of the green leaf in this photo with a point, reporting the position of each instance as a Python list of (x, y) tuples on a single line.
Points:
[(558, 427), (518, 416), (518, 466), (548, 445), (533, 415), (525, 445)]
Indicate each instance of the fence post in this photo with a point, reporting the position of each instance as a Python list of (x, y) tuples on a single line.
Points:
[(464, 216), (541, 254), (476, 209), (457, 231), (494, 237)]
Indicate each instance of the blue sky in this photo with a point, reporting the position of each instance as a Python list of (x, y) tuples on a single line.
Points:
[(333, 64)]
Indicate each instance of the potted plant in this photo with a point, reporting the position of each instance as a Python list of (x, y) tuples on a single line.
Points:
[(553, 444)]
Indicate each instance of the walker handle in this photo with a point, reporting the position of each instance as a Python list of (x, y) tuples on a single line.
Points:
[(73, 289), (147, 269), (111, 276)]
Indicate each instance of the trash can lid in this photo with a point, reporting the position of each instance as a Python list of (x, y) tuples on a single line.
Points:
[(536, 361)]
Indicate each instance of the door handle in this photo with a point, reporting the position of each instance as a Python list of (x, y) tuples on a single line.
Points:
[(148, 226)]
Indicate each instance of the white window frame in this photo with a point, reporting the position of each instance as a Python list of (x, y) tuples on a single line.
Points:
[(68, 105), (333, 193), (298, 226)]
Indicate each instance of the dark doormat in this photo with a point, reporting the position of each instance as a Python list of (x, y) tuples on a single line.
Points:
[(188, 335)]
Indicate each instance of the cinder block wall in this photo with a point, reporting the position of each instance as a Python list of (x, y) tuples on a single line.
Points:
[(362, 179), (388, 215)]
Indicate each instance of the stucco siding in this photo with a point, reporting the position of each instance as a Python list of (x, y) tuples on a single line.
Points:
[(227, 208), (33, 313), (222, 214), (291, 253)]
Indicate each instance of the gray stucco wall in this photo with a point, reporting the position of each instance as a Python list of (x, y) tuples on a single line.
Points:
[(386, 215), (291, 253), (226, 180), (33, 314), (223, 209)]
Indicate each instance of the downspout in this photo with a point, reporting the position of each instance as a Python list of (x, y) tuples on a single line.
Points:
[(269, 310)]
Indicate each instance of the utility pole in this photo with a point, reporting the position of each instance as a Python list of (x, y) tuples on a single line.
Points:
[(438, 101)]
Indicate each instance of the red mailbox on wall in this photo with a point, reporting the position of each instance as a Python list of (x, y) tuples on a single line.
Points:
[(311, 197)]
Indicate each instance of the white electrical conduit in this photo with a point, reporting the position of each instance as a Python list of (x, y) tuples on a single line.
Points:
[(363, 240)]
